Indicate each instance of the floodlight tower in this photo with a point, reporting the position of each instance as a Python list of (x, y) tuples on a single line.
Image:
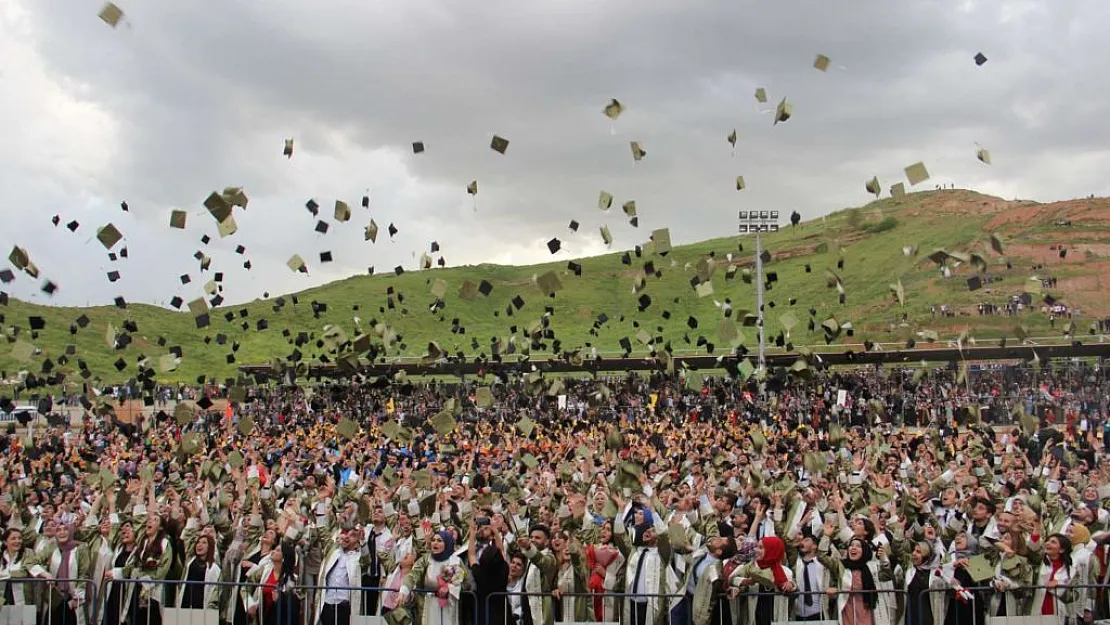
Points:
[(759, 223)]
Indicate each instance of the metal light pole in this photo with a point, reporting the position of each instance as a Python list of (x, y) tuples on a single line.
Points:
[(757, 223)]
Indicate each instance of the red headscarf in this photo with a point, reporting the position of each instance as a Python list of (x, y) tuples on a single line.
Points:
[(774, 550)]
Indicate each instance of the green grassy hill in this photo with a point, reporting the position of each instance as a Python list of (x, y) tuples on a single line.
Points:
[(869, 239)]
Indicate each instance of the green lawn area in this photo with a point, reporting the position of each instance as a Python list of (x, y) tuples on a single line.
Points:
[(869, 239)]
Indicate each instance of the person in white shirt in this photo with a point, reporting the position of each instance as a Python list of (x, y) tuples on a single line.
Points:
[(341, 571), (811, 578)]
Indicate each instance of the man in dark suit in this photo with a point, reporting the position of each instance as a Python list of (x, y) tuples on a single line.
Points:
[(490, 569)]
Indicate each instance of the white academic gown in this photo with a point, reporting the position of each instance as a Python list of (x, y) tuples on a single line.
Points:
[(353, 579), (1061, 609)]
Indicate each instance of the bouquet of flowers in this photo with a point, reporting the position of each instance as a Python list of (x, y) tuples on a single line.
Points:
[(448, 576)]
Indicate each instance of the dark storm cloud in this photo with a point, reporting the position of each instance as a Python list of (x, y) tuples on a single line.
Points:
[(205, 91)]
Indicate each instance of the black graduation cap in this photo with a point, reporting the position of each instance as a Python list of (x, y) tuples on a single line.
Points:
[(48, 287), (645, 302), (83, 321), (113, 276), (485, 288), (120, 302), (692, 323), (974, 283), (518, 302), (124, 206), (626, 258), (202, 321), (205, 239), (573, 225), (366, 201), (219, 277), (6, 275), (121, 364), (398, 270), (322, 227), (575, 267), (980, 59), (185, 279), (312, 207), (554, 245), (55, 220), (239, 249), (73, 226), (36, 323), (417, 147), (229, 316), (325, 257), (176, 302), (392, 230)]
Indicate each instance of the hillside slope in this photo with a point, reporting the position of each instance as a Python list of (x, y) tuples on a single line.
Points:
[(869, 240)]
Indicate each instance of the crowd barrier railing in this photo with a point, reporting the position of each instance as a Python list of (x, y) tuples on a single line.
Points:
[(981, 600), (381, 606), (615, 607), (37, 600), (188, 602)]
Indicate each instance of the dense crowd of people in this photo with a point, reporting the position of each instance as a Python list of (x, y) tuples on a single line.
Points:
[(865, 497)]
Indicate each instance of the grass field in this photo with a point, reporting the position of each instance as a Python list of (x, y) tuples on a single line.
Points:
[(869, 239)]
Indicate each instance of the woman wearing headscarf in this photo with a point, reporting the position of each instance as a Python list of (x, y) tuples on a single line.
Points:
[(67, 560), (860, 571), (769, 580), (1012, 572), (965, 607), (1054, 596), (440, 576), (920, 567)]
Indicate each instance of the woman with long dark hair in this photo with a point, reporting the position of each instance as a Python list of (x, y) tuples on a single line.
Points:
[(1054, 596), (15, 562), (112, 607), (276, 602), (199, 591), (150, 565)]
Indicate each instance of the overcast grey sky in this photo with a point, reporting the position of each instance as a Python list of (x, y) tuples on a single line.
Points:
[(190, 96)]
